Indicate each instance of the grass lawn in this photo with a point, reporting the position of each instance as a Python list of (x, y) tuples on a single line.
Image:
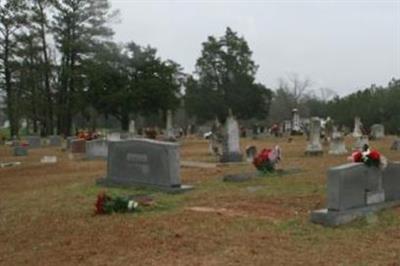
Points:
[(46, 215)]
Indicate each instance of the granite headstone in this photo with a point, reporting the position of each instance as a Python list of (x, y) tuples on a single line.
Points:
[(34, 142), (97, 149), (144, 162), (78, 146), (55, 141)]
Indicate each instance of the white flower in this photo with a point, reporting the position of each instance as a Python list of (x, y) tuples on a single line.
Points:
[(132, 205), (366, 153)]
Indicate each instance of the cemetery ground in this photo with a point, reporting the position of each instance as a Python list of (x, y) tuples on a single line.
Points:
[(46, 215)]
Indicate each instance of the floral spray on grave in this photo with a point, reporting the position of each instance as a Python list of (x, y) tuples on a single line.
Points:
[(106, 204), (369, 157), (267, 160)]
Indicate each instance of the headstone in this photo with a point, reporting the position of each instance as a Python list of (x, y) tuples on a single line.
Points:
[(49, 159), (337, 145), (132, 128), (33, 142), (78, 146), (255, 132), (314, 146), (215, 139), (230, 144), (169, 127), (144, 162), (355, 190), (360, 142), (357, 133), (396, 145), (328, 129), (251, 152), (114, 136), (55, 141), (348, 185), (20, 151), (377, 131), (126, 135), (287, 126), (97, 149), (296, 126), (68, 142), (391, 181)]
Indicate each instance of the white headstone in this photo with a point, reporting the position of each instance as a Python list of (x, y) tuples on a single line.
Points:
[(337, 145), (296, 121), (314, 146), (231, 146), (169, 129), (357, 127), (132, 129), (114, 136), (377, 131)]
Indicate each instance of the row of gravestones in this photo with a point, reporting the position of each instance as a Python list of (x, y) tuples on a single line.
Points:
[(337, 145), (354, 190), (36, 142)]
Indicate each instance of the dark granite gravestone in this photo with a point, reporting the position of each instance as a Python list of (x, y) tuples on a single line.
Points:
[(55, 141), (355, 190), (144, 162), (20, 151), (78, 146), (97, 149), (34, 142)]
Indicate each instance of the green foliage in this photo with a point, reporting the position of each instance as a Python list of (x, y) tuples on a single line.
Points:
[(372, 105), (131, 82), (226, 80)]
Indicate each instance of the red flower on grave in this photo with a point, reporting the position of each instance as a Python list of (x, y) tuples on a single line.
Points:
[(374, 155), (262, 161), (357, 157), (102, 198)]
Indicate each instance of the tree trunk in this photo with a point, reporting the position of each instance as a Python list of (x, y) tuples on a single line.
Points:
[(10, 94), (49, 104), (125, 121)]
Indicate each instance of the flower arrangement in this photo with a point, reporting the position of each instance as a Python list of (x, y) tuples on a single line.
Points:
[(106, 204), (267, 159), (368, 157)]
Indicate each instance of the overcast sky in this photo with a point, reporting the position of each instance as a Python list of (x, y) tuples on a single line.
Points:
[(341, 45)]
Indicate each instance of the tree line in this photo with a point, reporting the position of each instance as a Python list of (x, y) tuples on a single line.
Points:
[(58, 61)]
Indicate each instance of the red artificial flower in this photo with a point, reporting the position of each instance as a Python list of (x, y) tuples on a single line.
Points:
[(357, 157), (101, 200), (374, 155)]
